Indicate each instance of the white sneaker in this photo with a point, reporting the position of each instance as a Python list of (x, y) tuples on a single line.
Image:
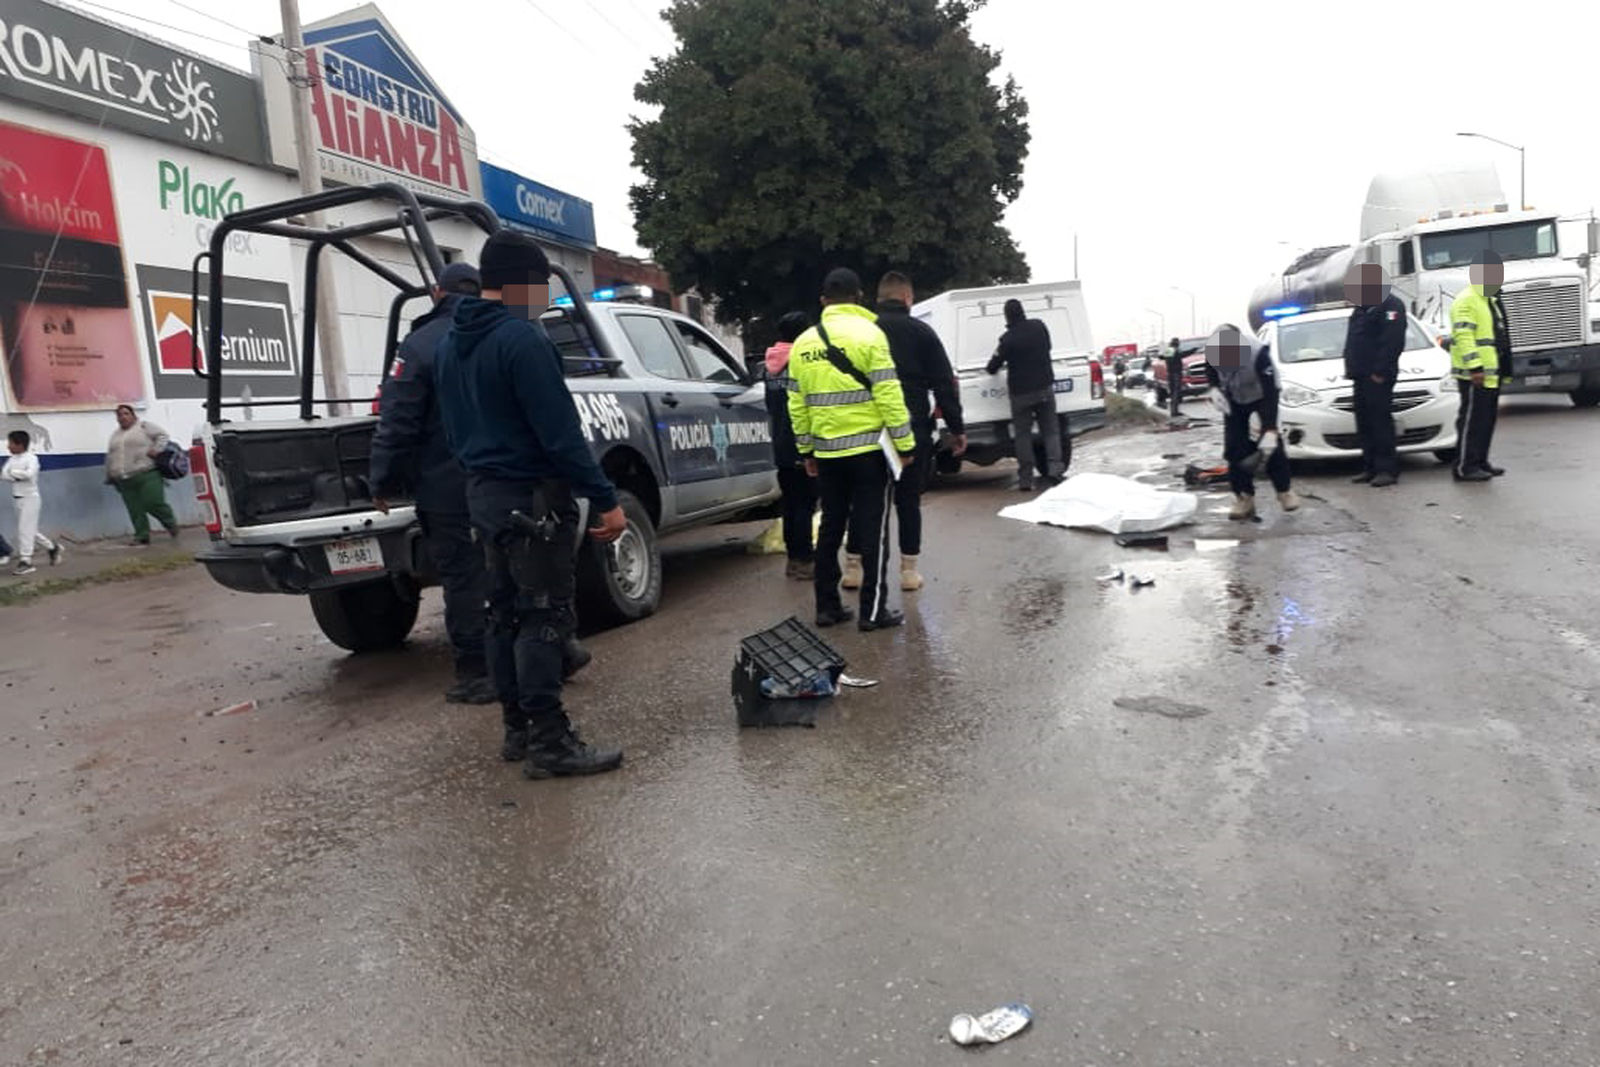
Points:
[(852, 572), (1289, 499), (1244, 507)]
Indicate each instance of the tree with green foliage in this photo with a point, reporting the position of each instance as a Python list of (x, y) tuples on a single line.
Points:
[(793, 137)]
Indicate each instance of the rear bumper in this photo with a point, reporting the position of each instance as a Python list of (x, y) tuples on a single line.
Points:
[(990, 442), (303, 568), (1554, 370)]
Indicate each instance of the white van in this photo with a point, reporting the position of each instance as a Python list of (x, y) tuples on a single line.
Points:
[(970, 322)]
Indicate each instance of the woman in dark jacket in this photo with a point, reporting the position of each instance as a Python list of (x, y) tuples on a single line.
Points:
[(799, 490), (1240, 368)]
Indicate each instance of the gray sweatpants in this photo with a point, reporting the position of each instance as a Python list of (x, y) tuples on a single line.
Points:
[(1025, 411)]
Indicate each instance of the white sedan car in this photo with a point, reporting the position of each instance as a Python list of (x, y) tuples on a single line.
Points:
[(1317, 412)]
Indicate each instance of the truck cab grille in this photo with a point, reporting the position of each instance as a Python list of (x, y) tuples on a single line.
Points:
[(1545, 317)]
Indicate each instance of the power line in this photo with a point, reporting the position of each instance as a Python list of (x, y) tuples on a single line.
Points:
[(162, 25), (590, 4), (206, 14), (575, 39)]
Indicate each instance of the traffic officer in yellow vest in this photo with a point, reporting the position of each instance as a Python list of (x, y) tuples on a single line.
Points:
[(1480, 354), (843, 397)]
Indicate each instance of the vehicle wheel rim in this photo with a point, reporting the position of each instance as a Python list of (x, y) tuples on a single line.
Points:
[(630, 563)]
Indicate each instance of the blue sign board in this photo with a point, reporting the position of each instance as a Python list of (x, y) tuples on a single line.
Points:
[(528, 205)]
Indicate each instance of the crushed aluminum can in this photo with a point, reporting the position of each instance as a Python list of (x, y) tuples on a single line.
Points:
[(1008, 1020), (1114, 575), (1141, 580)]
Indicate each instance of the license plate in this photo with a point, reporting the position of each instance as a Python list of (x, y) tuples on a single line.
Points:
[(354, 556), (1063, 385), (1536, 379)]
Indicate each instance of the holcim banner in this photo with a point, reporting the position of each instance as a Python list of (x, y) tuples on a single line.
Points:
[(376, 114), (111, 76)]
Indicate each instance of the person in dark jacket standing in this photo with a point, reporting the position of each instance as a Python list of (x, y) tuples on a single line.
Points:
[(1240, 368), (1175, 377), (512, 423), (1372, 345), (798, 488), (410, 455), (1024, 351), (923, 367)]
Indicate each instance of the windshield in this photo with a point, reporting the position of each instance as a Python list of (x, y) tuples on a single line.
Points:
[(1302, 342), (1523, 240)]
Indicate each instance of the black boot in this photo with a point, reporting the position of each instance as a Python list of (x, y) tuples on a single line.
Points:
[(833, 616), (557, 752), (515, 748), (886, 619), (574, 658), (472, 690)]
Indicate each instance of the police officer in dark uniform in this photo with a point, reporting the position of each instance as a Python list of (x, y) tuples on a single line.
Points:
[(1372, 345), (1175, 378), (512, 423), (411, 456)]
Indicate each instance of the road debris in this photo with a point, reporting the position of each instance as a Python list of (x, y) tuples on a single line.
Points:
[(1115, 574), (1172, 709), (1141, 580), (853, 682), (232, 709), (1008, 1020), (1142, 540)]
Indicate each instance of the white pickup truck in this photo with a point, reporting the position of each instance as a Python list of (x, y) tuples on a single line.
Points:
[(970, 322), (675, 421)]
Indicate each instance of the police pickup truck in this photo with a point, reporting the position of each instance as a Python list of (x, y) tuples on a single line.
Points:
[(675, 421)]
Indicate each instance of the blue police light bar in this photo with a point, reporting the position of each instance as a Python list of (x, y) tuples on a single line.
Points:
[(603, 294), (562, 301), (1280, 312)]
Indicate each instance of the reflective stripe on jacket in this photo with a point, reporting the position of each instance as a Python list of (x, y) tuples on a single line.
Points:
[(1472, 339), (832, 413)]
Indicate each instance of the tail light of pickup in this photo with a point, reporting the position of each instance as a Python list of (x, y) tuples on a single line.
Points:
[(1097, 380), (200, 471)]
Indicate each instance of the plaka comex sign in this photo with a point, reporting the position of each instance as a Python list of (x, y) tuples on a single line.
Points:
[(376, 114), (62, 60)]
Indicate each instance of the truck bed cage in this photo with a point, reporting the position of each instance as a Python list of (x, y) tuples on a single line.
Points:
[(410, 215)]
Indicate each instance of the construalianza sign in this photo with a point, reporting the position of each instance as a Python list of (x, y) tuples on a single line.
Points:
[(376, 113), (111, 76), (258, 349), (547, 212)]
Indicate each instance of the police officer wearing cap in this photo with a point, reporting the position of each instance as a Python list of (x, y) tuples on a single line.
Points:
[(411, 456), (1373, 342), (512, 423), (1480, 357)]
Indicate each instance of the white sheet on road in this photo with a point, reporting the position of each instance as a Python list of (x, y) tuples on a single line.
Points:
[(1106, 502)]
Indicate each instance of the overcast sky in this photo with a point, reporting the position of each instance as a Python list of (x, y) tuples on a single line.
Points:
[(1188, 145)]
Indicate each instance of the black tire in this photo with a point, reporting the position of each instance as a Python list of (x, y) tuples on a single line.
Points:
[(1445, 455), (621, 583), (1584, 398), (366, 617), (1039, 457)]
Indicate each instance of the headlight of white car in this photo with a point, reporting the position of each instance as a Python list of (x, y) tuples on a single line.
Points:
[(1297, 396), (1447, 384)]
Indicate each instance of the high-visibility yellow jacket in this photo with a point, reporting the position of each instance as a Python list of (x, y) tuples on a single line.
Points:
[(833, 414), (1474, 321)]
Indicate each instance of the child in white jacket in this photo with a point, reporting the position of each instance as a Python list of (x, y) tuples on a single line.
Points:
[(21, 473)]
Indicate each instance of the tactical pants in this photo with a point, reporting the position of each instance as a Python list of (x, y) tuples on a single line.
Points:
[(1374, 409), (462, 573), (799, 506), (529, 532), (1238, 448)]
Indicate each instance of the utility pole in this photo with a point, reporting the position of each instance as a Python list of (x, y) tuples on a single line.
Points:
[(1522, 165), (1074, 257), (329, 338)]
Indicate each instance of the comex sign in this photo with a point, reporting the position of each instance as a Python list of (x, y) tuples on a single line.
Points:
[(549, 212), (67, 61)]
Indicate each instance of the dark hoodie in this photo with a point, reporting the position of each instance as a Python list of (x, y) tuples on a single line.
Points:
[(505, 403), (1024, 351)]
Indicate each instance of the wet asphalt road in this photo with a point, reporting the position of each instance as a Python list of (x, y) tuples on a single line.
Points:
[(1381, 845)]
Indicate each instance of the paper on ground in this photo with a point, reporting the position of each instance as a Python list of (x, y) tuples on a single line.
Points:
[(1106, 502)]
